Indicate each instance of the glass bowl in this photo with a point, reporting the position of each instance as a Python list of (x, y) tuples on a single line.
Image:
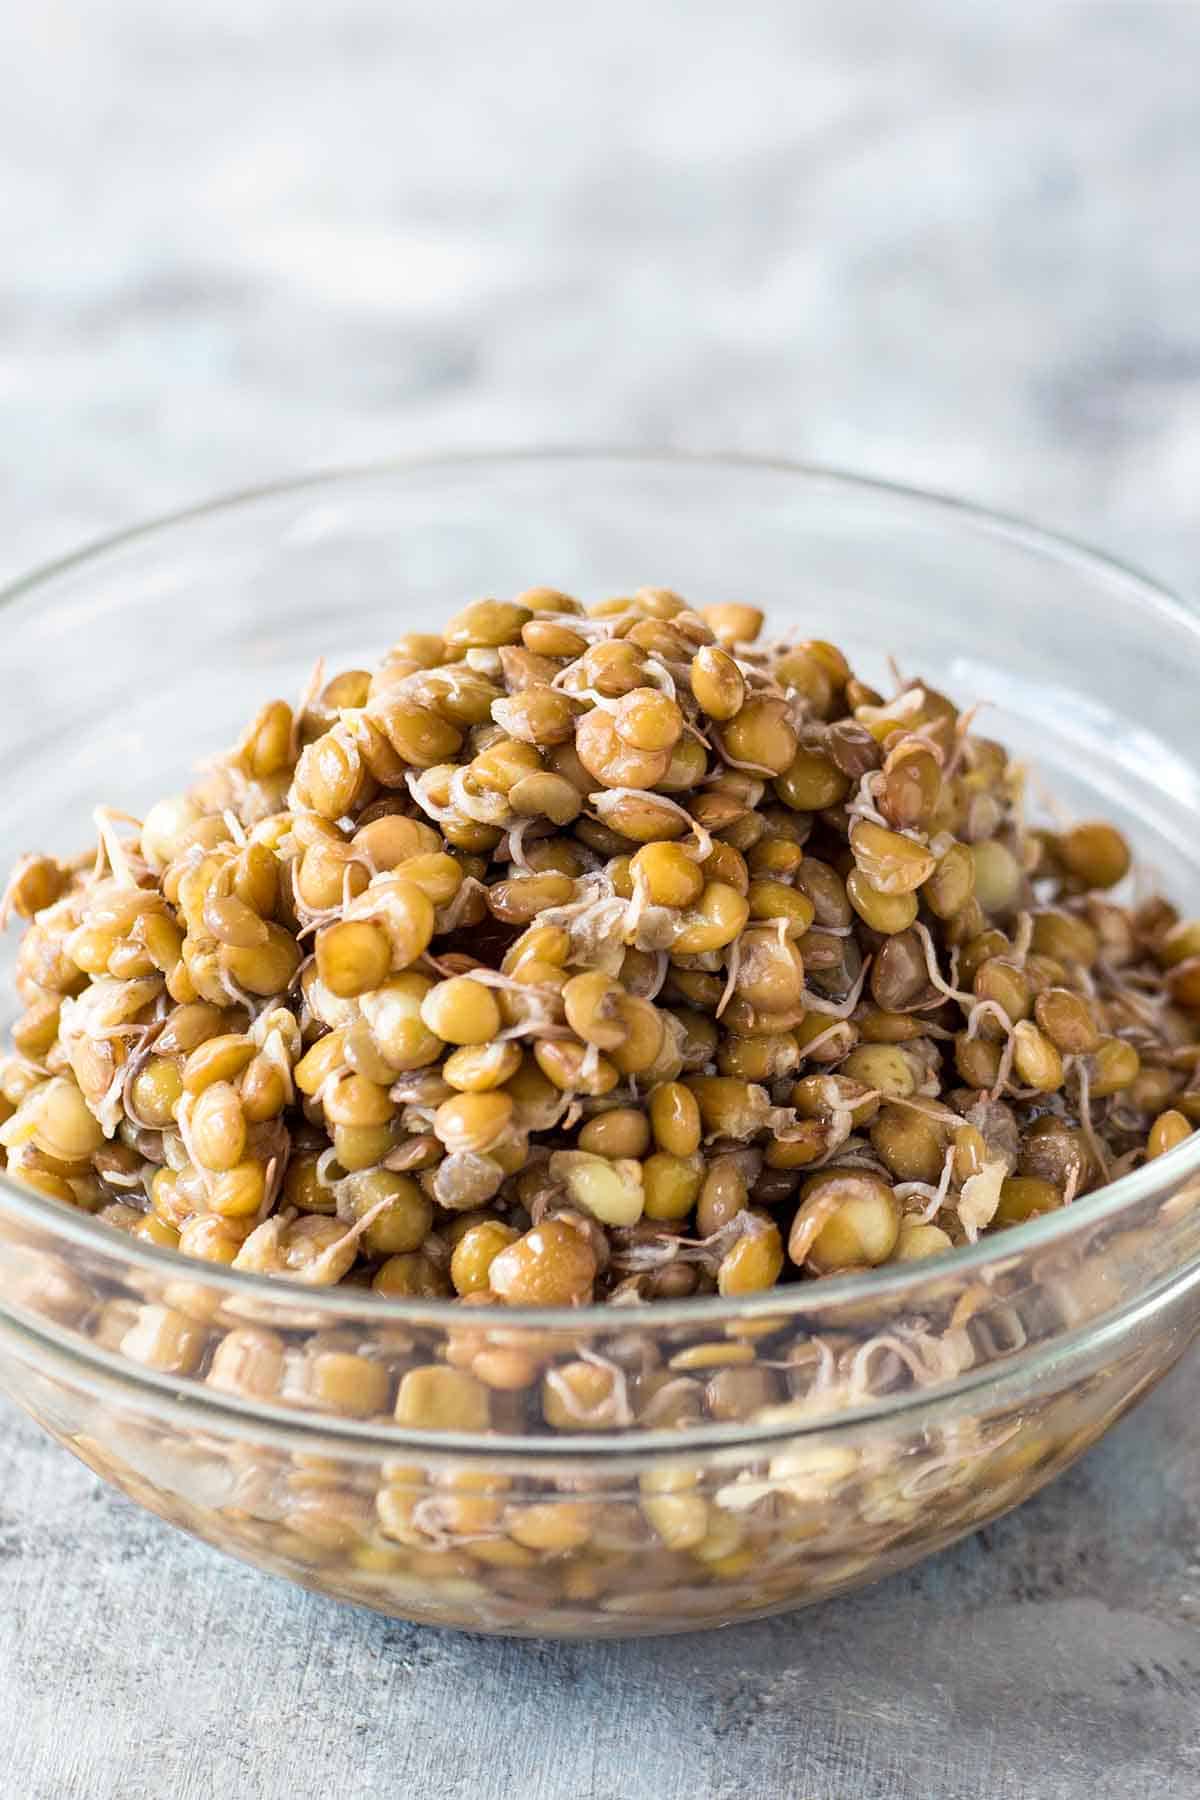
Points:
[(612, 1471)]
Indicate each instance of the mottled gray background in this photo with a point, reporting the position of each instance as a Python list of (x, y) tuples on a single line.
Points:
[(954, 245)]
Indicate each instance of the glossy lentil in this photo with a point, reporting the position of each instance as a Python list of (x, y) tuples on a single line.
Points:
[(582, 955)]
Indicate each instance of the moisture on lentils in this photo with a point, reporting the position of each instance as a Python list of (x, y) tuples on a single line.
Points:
[(593, 954)]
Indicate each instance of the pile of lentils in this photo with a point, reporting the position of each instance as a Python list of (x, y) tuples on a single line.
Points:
[(589, 954)]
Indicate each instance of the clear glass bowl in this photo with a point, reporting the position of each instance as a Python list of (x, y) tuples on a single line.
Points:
[(729, 1458)]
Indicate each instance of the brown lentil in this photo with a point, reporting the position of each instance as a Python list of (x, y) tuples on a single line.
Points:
[(537, 965)]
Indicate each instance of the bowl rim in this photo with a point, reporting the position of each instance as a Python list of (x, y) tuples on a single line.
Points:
[(834, 1292), (1009, 1382)]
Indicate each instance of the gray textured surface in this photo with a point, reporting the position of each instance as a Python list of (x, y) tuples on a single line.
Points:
[(950, 245)]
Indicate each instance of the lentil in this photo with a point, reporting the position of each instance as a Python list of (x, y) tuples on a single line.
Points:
[(533, 967)]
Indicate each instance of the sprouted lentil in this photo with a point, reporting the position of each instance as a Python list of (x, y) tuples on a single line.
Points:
[(591, 954)]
